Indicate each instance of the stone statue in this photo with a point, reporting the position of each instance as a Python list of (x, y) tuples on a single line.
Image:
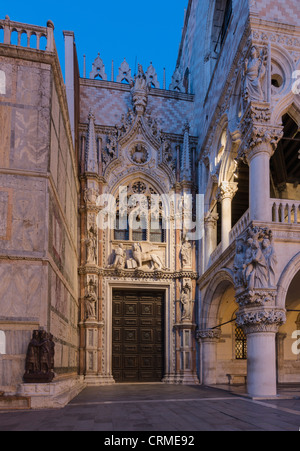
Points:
[(39, 365), (119, 262), (255, 260), (91, 244), (185, 300), (254, 73), (139, 91), (91, 300), (186, 253), (147, 257), (255, 273)]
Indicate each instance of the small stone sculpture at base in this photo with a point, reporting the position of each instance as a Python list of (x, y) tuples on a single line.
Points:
[(40, 359)]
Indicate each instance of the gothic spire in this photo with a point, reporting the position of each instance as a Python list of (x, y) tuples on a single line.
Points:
[(91, 156), (186, 168)]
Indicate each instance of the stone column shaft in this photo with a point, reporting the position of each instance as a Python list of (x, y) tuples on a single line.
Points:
[(227, 192), (210, 224), (261, 324)]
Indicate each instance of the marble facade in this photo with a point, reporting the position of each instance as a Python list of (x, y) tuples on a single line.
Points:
[(226, 130)]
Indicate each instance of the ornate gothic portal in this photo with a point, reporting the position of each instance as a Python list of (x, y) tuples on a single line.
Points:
[(138, 269)]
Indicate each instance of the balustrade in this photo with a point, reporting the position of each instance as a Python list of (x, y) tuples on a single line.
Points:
[(28, 36), (285, 211)]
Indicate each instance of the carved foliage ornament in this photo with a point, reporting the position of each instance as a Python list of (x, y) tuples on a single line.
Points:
[(261, 320)]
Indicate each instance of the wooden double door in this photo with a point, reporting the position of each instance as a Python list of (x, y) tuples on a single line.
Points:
[(138, 351)]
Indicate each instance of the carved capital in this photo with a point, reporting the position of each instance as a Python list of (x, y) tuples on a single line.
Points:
[(260, 139), (261, 320), (257, 297), (208, 335), (227, 190), (211, 219)]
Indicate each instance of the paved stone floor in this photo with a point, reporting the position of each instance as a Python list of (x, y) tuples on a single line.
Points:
[(158, 408)]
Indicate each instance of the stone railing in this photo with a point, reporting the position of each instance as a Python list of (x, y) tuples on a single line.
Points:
[(28, 36), (240, 226), (285, 211), (216, 254)]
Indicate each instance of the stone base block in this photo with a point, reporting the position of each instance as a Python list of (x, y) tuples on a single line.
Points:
[(54, 395), (14, 403), (181, 379), (95, 381)]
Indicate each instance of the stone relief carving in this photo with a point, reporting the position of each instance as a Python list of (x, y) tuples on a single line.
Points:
[(254, 74), (139, 154), (255, 260), (119, 262), (146, 257)]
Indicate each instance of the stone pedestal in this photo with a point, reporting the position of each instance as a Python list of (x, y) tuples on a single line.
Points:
[(54, 395)]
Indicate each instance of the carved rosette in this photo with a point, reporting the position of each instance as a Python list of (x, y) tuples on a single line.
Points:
[(208, 335), (261, 320)]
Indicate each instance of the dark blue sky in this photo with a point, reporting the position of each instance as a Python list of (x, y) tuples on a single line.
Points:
[(148, 31)]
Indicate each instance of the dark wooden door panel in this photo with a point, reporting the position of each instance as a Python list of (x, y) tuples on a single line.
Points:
[(137, 336)]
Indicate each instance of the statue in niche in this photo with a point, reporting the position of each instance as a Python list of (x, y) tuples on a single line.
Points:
[(91, 299), (139, 154), (146, 257), (119, 262), (254, 74), (39, 364), (91, 245), (185, 300), (186, 253)]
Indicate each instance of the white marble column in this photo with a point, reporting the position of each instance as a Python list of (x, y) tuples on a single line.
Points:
[(260, 149), (227, 191), (261, 324), (208, 340), (210, 225)]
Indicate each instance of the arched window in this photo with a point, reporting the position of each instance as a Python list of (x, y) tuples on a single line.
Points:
[(2, 342), (240, 344), (139, 223)]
